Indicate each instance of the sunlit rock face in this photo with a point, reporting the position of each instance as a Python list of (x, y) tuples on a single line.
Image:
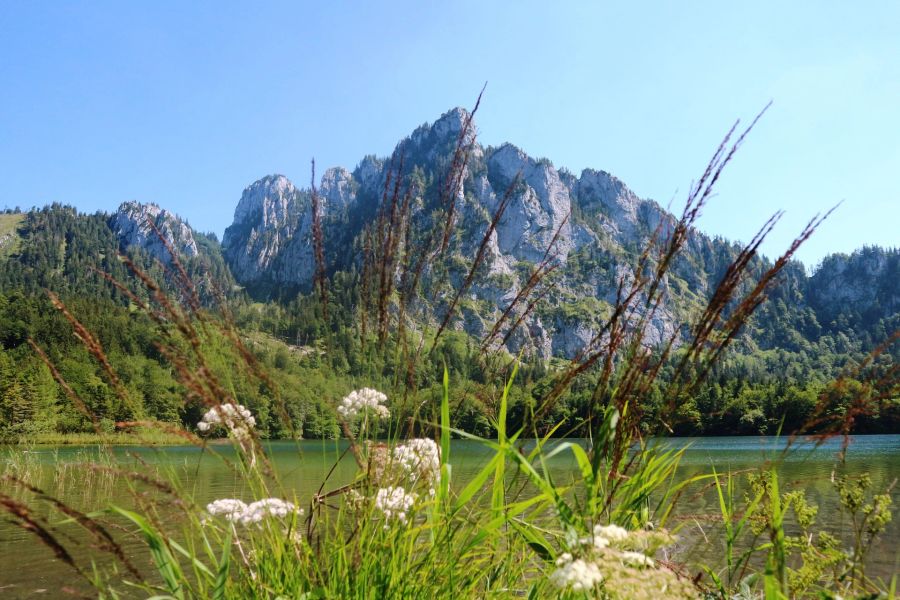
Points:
[(270, 238), (598, 224), (132, 225)]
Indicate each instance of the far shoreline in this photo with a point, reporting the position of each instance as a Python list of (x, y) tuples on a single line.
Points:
[(163, 439)]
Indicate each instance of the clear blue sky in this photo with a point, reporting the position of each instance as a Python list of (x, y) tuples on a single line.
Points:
[(186, 105)]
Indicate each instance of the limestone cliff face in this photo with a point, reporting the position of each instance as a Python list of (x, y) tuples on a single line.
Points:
[(598, 218), (338, 189), (131, 224), (539, 206), (269, 238), (868, 280), (618, 206)]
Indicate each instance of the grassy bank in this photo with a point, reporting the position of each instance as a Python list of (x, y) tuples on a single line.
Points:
[(407, 527), (143, 437)]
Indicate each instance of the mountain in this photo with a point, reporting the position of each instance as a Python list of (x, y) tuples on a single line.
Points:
[(601, 227), (856, 290), (812, 328), (132, 225)]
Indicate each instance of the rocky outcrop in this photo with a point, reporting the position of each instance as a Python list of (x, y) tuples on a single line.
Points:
[(269, 239), (539, 206), (269, 245), (435, 141), (617, 205), (866, 281), (338, 189), (132, 225)]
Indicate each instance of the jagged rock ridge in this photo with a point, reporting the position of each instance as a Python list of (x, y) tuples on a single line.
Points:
[(269, 244), (131, 224), (603, 228)]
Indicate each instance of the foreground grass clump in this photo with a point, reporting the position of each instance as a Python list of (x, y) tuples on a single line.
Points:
[(403, 528)]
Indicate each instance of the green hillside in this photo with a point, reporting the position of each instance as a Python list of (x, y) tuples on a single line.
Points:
[(9, 232), (810, 331)]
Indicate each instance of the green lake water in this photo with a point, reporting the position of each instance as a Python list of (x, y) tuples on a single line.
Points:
[(28, 569)]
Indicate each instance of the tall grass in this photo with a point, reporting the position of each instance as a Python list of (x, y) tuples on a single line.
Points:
[(406, 526)]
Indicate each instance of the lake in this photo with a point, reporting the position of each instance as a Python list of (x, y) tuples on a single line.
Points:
[(27, 568)]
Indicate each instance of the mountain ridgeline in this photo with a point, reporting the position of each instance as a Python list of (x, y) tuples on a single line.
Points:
[(590, 227), (602, 229)]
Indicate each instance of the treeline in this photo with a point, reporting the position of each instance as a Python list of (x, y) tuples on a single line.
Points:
[(763, 393), (775, 378)]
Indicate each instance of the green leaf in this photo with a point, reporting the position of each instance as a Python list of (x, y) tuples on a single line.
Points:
[(218, 590), (534, 541), (445, 440), (166, 565)]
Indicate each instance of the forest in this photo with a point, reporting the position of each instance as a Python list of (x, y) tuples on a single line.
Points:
[(775, 377)]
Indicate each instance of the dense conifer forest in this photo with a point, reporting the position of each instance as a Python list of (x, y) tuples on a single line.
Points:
[(772, 379)]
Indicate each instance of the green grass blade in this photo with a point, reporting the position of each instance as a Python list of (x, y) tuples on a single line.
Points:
[(476, 484), (218, 590), (445, 440), (166, 565)]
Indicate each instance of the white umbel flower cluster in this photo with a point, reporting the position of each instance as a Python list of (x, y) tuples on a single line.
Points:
[(249, 514), (237, 419), (420, 460), (610, 533), (229, 508), (575, 573), (394, 503), (362, 401), (613, 555), (268, 507), (636, 559)]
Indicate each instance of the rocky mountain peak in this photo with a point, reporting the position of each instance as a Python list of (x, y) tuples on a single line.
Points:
[(600, 186), (842, 280), (368, 171), (267, 198), (131, 223), (608, 194), (338, 190), (451, 122), (269, 235), (539, 205), (432, 140)]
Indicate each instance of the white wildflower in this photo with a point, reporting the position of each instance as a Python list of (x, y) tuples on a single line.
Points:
[(612, 533), (420, 460), (394, 503), (238, 512), (237, 419), (361, 401), (636, 559), (596, 541), (577, 574), (268, 507), (229, 508)]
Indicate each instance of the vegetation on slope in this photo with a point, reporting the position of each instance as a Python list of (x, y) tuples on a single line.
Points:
[(406, 526)]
